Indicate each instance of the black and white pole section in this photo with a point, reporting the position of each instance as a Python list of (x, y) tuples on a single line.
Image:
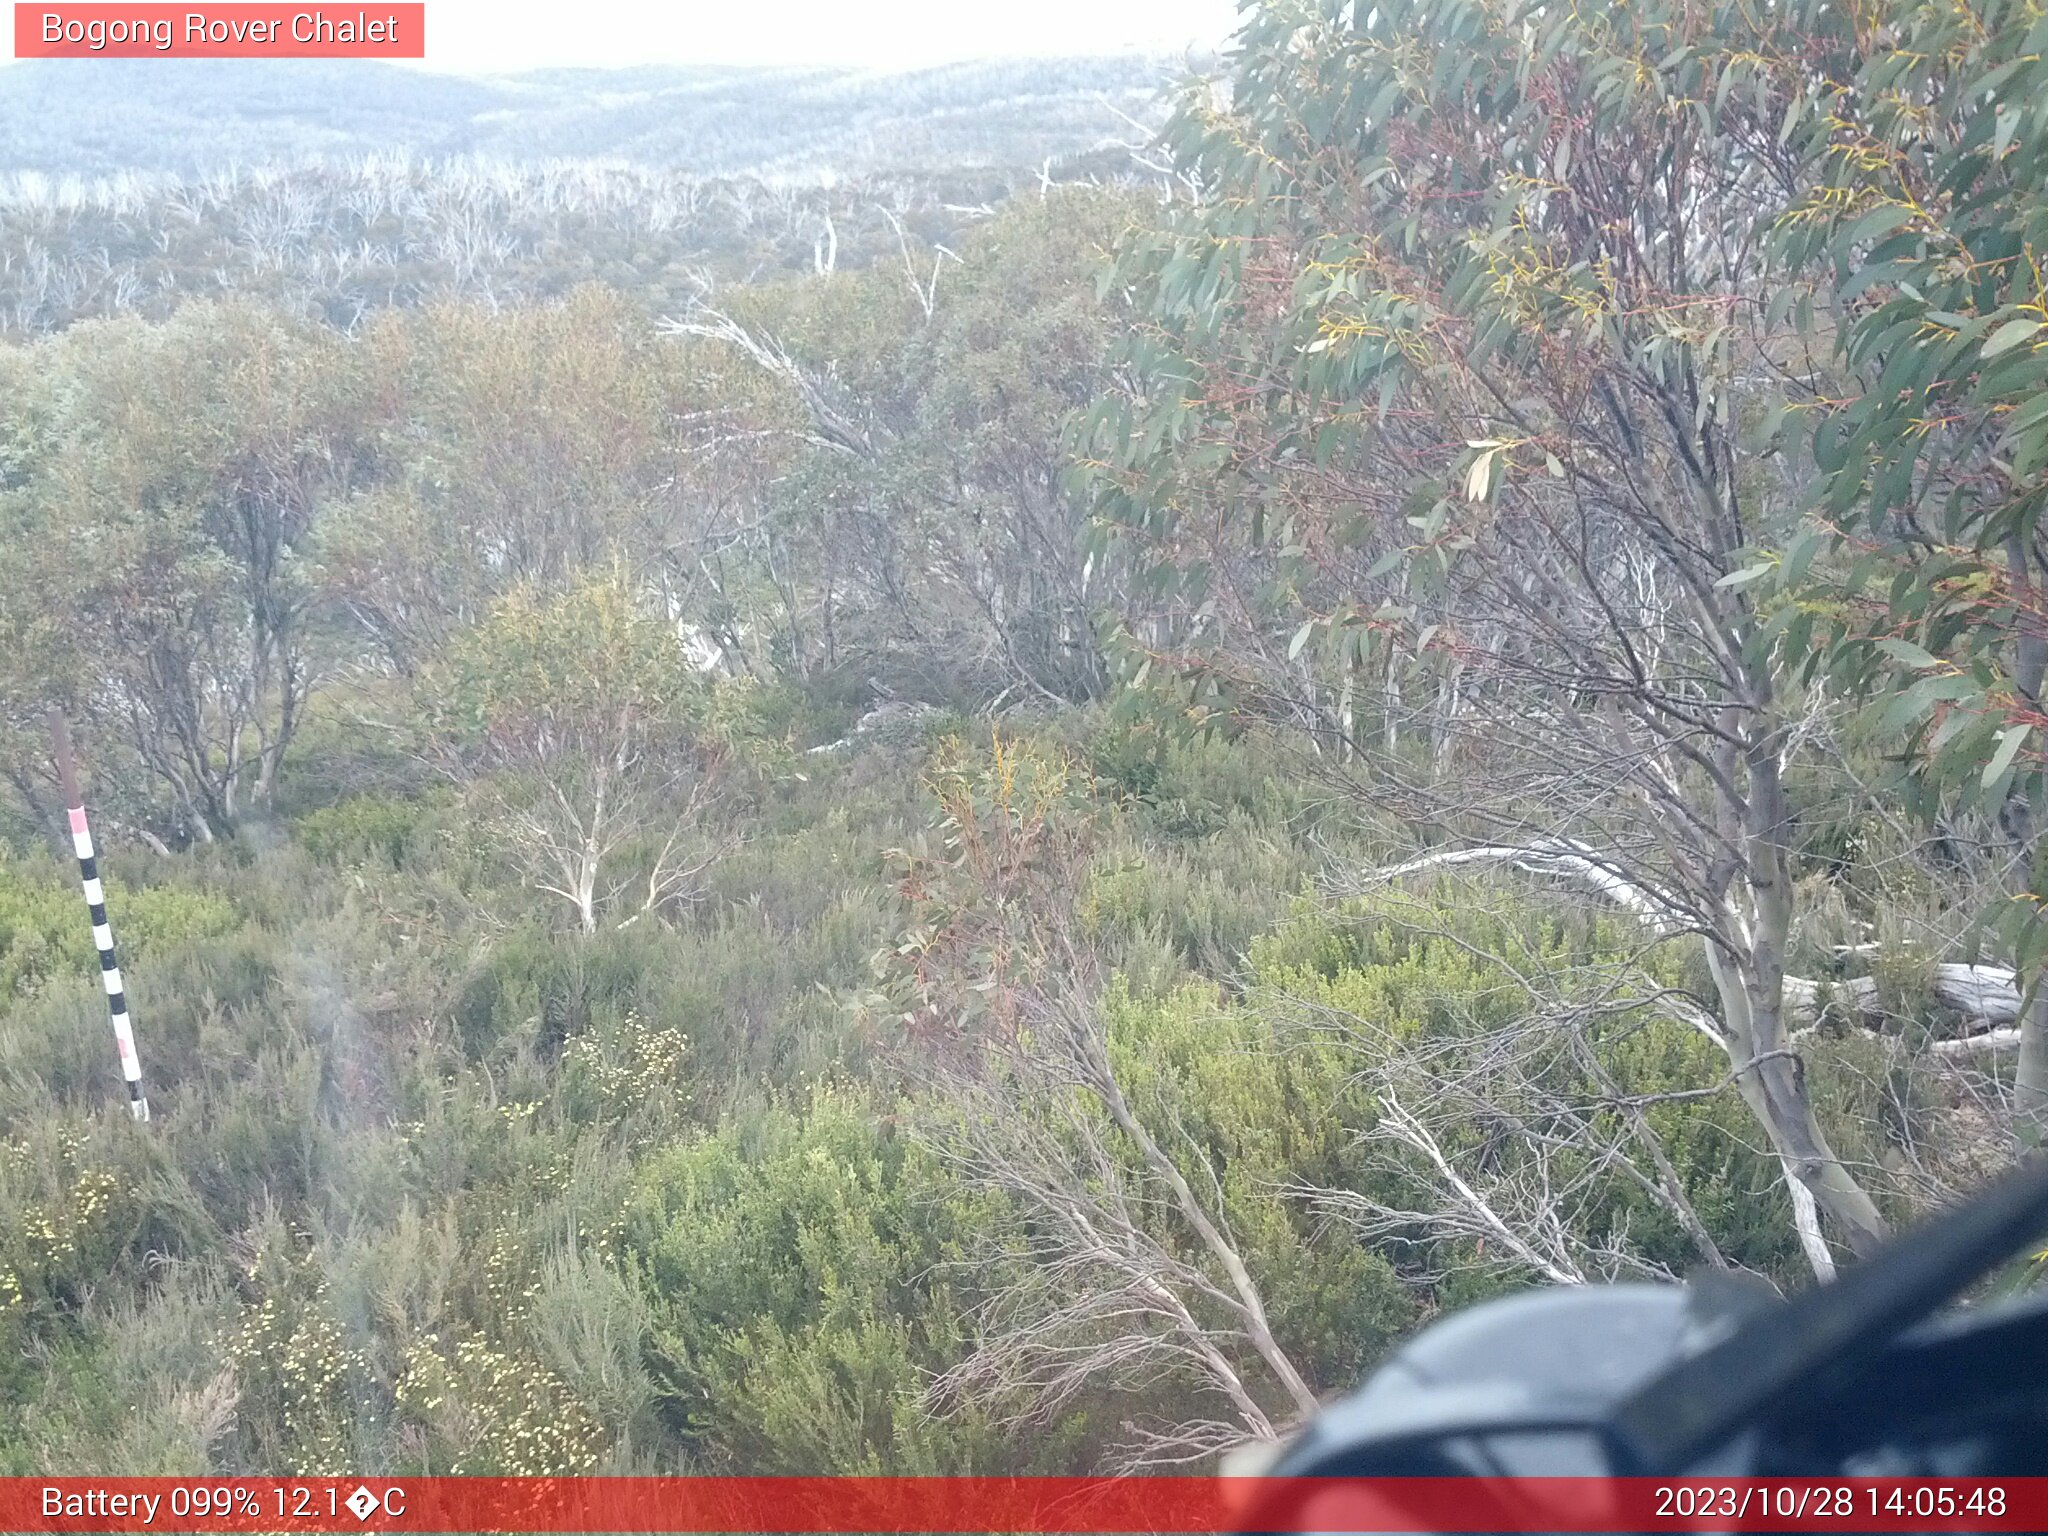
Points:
[(102, 934)]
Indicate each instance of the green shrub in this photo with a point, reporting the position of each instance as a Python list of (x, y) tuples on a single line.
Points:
[(45, 933), (487, 1413), (367, 829), (1259, 1114), (298, 1377), (793, 1262), (1396, 973), (67, 1214)]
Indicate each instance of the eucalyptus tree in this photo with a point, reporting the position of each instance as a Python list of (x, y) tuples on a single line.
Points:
[(1916, 256), (1432, 419), (573, 722), (525, 445), (167, 492), (919, 526)]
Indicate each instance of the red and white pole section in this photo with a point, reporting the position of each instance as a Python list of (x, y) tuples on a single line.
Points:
[(102, 934)]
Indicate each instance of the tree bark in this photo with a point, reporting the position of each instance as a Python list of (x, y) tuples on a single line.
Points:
[(2030, 1081), (1251, 1305)]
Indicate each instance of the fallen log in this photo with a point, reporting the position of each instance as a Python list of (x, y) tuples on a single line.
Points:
[(1983, 999)]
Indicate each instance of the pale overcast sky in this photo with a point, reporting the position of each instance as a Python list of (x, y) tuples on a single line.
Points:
[(477, 36)]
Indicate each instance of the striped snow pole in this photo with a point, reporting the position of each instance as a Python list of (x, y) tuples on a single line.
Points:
[(102, 934)]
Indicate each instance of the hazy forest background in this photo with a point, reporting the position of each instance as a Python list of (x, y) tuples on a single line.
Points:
[(991, 770)]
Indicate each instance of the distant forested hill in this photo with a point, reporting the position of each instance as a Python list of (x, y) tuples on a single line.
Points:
[(338, 189), (197, 116)]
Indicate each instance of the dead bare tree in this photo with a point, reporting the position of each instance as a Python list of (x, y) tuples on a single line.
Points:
[(566, 720), (1114, 1263), (567, 826), (1120, 1266), (1637, 746), (835, 423), (1516, 1144)]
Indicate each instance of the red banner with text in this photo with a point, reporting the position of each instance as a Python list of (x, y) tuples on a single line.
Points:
[(1055, 1506), (219, 32)]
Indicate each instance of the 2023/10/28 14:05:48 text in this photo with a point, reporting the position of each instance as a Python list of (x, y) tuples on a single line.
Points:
[(1739, 1501)]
